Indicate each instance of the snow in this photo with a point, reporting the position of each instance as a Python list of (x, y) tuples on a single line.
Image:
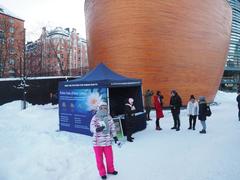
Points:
[(33, 148)]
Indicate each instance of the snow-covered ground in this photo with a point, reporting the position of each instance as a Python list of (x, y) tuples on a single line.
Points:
[(32, 148)]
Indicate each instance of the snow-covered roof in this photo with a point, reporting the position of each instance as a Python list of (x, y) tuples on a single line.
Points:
[(5, 11), (59, 31), (39, 78)]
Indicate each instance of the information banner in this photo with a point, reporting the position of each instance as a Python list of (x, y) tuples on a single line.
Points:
[(78, 106)]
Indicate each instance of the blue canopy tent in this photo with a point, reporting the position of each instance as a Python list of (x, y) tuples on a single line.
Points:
[(79, 98)]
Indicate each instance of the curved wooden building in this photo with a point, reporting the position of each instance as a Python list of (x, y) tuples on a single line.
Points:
[(169, 44)]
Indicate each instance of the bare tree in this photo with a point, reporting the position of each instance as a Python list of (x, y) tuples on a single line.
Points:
[(61, 48)]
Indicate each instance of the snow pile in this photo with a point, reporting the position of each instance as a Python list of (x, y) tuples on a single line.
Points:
[(33, 148)]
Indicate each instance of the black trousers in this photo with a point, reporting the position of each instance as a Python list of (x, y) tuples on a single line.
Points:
[(176, 120), (129, 127), (192, 121), (148, 110), (157, 122)]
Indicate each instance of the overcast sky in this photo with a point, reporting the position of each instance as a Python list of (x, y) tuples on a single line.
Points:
[(49, 13)]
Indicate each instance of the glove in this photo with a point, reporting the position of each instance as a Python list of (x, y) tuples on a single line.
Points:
[(100, 129)]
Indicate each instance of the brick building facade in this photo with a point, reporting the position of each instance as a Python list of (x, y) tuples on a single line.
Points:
[(59, 52), (12, 43)]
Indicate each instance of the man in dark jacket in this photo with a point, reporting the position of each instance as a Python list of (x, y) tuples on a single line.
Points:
[(238, 100), (175, 104), (129, 111)]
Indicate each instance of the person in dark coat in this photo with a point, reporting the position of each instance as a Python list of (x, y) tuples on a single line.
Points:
[(129, 110), (158, 102), (175, 104), (238, 100), (148, 103), (202, 113)]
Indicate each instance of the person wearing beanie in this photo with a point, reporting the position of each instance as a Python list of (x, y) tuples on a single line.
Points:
[(175, 104), (158, 106), (202, 113), (238, 101), (192, 112), (129, 111), (103, 129)]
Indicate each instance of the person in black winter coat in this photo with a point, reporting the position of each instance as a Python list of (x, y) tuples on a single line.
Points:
[(129, 110), (202, 113), (238, 100), (175, 104)]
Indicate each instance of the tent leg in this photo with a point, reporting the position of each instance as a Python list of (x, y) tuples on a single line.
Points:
[(108, 101)]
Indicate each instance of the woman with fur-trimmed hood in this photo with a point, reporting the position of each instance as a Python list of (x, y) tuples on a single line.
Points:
[(103, 129)]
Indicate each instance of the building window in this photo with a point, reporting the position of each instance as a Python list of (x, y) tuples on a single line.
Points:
[(12, 50), (12, 73), (2, 36), (11, 30), (11, 61), (11, 20), (11, 40)]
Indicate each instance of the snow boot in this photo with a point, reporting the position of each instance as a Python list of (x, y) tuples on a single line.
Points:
[(173, 127), (190, 128), (113, 173), (202, 131), (104, 177), (158, 128), (129, 139)]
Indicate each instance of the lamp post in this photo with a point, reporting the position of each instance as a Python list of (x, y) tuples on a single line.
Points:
[(23, 85)]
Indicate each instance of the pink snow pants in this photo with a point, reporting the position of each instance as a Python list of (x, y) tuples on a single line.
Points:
[(107, 151)]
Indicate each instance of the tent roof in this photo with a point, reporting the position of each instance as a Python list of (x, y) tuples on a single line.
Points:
[(103, 76)]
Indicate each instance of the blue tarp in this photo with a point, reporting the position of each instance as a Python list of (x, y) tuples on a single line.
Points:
[(102, 76)]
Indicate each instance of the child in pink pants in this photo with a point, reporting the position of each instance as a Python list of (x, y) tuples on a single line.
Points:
[(103, 129)]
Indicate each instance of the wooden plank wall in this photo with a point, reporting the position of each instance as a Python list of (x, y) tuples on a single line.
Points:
[(173, 44)]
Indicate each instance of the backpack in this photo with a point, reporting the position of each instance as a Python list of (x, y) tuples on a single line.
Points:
[(208, 111)]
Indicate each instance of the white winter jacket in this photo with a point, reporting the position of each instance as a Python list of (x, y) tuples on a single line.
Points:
[(192, 108)]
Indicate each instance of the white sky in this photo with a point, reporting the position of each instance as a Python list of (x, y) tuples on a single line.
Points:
[(49, 13)]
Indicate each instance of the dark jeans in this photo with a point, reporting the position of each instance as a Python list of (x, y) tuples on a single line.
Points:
[(148, 110), (157, 122), (192, 121), (176, 120)]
